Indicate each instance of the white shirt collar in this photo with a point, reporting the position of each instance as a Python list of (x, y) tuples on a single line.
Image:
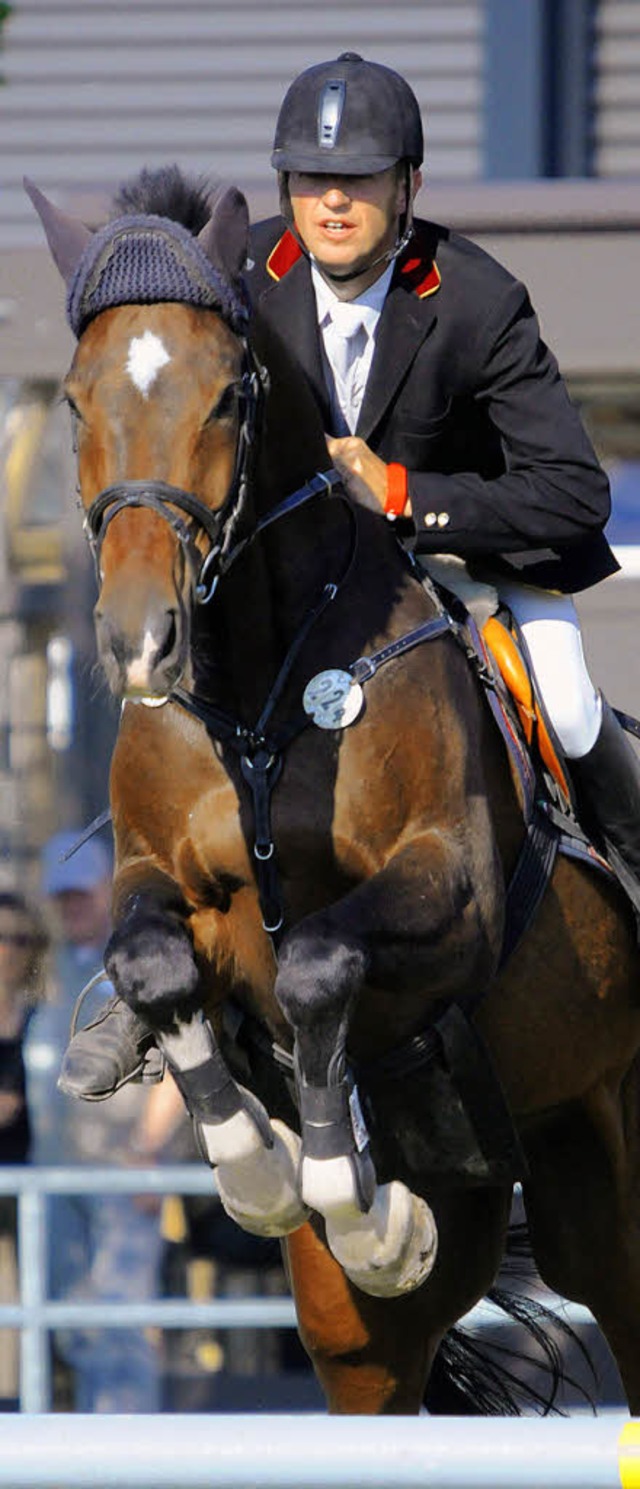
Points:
[(371, 301)]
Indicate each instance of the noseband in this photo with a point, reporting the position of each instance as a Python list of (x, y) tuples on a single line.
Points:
[(162, 498)]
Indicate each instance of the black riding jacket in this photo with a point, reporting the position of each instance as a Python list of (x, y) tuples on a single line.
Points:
[(465, 394)]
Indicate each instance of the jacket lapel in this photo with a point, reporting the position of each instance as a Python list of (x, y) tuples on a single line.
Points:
[(408, 316), (291, 304)]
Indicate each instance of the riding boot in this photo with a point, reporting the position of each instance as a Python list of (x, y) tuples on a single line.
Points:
[(115, 1048), (607, 784)]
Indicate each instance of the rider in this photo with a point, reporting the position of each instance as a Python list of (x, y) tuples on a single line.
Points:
[(446, 412)]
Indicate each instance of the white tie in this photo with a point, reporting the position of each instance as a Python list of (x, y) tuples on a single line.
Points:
[(347, 343)]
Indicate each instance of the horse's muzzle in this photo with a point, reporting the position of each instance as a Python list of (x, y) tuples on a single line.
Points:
[(144, 662)]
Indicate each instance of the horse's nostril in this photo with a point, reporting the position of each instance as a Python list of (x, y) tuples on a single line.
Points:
[(169, 642)]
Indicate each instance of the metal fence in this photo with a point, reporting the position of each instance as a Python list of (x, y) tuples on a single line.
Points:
[(35, 1315)]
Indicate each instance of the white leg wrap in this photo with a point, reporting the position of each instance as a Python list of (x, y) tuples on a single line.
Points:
[(188, 1045), (258, 1186), (392, 1249), (328, 1186), (235, 1141), (260, 1191)]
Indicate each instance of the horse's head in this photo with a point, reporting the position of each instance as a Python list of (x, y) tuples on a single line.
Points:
[(162, 390)]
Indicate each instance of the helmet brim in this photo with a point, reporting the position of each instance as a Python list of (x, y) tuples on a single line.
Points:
[(332, 163)]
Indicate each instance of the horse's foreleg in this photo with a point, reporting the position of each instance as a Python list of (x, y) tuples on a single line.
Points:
[(151, 961), (415, 925), (256, 1160)]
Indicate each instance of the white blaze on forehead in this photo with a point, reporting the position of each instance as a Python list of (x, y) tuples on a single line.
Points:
[(147, 354)]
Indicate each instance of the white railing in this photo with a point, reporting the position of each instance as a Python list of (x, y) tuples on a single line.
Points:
[(313, 1452)]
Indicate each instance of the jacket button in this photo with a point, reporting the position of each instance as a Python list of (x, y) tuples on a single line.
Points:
[(430, 519), (443, 519)]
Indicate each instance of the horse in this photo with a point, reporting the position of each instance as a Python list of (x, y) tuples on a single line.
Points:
[(316, 824)]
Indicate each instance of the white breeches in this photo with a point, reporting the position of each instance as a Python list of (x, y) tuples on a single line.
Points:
[(551, 629)]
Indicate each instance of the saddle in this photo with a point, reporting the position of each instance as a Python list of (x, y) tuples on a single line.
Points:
[(505, 645), (497, 650)]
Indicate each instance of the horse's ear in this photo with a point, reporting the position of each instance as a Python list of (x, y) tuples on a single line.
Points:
[(67, 236), (225, 237)]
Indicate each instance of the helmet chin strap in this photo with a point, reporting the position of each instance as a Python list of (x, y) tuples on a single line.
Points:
[(383, 258)]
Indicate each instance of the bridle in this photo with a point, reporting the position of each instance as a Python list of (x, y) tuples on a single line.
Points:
[(169, 501)]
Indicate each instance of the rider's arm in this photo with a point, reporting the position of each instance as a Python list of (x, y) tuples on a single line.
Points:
[(553, 490)]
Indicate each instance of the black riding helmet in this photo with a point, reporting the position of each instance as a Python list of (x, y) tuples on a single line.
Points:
[(348, 117)]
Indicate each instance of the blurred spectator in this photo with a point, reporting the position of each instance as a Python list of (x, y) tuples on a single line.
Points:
[(23, 943), (100, 1247)]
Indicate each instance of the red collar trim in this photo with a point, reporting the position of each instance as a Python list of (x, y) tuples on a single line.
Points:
[(417, 276), (285, 254)]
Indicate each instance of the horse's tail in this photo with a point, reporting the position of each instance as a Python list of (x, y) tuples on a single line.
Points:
[(480, 1375)]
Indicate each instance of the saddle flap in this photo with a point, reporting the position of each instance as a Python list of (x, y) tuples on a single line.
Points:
[(517, 678)]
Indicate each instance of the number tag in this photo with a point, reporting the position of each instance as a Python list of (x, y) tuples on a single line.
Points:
[(333, 699)]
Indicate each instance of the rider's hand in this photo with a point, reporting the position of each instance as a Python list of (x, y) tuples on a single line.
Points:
[(364, 474)]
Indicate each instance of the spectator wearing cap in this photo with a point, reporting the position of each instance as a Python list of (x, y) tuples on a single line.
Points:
[(101, 1247), (77, 884)]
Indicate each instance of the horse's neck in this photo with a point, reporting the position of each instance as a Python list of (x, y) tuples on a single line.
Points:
[(265, 601)]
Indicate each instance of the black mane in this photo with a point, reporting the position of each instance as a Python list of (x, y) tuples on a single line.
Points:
[(165, 192)]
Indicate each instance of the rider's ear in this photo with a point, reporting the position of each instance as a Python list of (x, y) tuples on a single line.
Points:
[(225, 237), (67, 236)]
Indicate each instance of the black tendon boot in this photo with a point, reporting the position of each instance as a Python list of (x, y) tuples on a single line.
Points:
[(607, 783)]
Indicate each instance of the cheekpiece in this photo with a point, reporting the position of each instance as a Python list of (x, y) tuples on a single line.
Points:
[(142, 260)]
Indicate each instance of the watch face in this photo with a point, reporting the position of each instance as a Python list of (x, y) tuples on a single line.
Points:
[(332, 699)]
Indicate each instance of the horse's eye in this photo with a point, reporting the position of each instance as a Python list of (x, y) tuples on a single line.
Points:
[(226, 405), (76, 419), (72, 407)]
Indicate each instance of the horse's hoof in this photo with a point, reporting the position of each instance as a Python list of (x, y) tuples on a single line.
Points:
[(261, 1192), (392, 1249)]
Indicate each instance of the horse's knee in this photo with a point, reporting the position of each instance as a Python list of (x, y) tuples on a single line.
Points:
[(317, 977), (151, 963)]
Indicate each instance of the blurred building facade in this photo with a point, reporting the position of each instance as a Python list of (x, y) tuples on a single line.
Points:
[(532, 123)]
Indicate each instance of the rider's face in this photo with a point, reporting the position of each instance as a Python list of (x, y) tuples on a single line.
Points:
[(348, 221)]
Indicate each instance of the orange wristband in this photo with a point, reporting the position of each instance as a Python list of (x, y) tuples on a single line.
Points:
[(397, 490)]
